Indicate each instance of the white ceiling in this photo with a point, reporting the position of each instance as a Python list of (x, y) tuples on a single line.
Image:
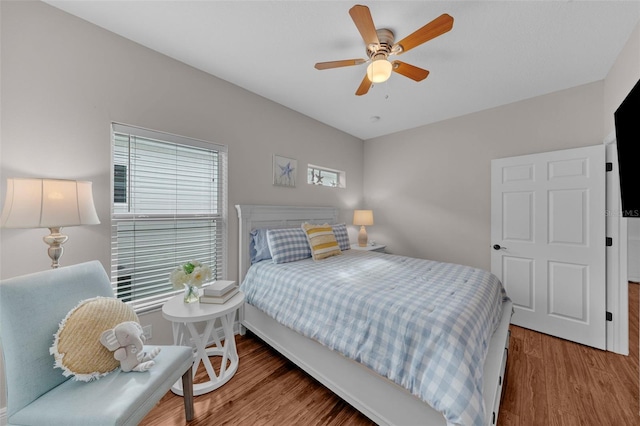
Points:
[(498, 52)]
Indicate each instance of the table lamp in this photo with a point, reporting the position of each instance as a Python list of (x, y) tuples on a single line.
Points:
[(48, 203), (363, 218)]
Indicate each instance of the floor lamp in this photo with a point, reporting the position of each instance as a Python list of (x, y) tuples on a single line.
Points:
[(48, 203)]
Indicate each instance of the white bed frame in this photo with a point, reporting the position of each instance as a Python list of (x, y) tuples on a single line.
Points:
[(376, 397)]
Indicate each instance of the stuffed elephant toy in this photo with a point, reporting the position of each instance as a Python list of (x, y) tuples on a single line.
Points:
[(127, 339)]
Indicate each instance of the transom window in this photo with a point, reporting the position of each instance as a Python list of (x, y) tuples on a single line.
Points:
[(169, 207), (323, 176)]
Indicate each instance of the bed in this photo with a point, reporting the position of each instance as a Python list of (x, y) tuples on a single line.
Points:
[(378, 397)]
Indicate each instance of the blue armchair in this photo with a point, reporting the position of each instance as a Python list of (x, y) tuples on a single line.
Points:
[(31, 307)]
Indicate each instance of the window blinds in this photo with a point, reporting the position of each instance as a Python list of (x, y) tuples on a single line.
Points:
[(169, 207)]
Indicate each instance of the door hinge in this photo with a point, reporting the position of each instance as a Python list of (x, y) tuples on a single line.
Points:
[(609, 241), (609, 316), (609, 167)]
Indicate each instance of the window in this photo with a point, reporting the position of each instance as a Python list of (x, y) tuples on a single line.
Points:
[(169, 207), (119, 183), (323, 176)]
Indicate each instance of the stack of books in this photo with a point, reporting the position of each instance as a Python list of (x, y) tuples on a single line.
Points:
[(219, 292)]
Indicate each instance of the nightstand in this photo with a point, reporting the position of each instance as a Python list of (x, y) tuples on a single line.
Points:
[(184, 316), (376, 247)]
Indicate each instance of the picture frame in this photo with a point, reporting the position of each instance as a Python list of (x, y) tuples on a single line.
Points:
[(285, 170)]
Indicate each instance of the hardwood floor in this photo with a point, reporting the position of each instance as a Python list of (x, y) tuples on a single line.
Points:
[(267, 389), (550, 381)]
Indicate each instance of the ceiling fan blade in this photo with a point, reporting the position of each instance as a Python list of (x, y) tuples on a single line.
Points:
[(338, 64), (411, 71), (433, 29), (362, 18), (364, 86)]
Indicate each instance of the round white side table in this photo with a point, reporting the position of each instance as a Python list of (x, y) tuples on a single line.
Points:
[(184, 316)]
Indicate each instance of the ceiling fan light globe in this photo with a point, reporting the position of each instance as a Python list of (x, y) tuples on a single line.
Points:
[(379, 70)]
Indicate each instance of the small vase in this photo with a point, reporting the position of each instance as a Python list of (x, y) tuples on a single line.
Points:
[(191, 293)]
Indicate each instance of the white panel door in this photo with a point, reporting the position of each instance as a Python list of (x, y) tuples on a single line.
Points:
[(548, 241)]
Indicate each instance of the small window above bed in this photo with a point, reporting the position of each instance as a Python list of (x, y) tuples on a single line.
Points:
[(324, 176)]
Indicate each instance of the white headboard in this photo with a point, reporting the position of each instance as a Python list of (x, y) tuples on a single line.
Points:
[(254, 217)]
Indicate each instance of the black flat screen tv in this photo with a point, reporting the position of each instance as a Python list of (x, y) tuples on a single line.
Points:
[(627, 120)]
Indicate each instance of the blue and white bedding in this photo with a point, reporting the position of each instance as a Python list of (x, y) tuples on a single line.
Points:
[(423, 324)]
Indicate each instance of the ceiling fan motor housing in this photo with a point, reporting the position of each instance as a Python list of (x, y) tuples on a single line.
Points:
[(385, 37)]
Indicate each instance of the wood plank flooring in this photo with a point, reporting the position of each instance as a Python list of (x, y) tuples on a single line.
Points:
[(267, 389), (550, 381)]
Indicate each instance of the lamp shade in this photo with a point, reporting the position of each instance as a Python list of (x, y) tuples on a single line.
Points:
[(47, 203), (379, 70), (363, 217)]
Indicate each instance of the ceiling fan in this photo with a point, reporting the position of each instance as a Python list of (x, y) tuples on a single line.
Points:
[(380, 46)]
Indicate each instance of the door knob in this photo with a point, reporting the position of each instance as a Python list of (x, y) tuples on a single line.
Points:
[(498, 247)]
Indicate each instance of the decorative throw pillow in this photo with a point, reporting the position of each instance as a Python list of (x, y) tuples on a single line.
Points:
[(259, 246), (76, 346), (340, 231), (288, 245), (322, 240)]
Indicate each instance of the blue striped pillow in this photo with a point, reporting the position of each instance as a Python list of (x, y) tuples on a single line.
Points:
[(288, 245), (259, 246), (340, 231)]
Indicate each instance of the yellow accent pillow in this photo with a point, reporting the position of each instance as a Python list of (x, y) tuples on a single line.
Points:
[(76, 346), (322, 241)]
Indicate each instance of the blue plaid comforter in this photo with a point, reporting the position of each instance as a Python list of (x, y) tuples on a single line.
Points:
[(423, 324)]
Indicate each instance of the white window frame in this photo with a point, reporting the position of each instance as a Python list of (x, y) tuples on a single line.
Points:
[(218, 215)]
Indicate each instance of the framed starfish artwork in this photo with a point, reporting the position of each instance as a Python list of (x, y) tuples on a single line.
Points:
[(284, 171)]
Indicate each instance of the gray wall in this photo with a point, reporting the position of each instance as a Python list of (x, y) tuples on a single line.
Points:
[(622, 76), (64, 80), (429, 187)]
